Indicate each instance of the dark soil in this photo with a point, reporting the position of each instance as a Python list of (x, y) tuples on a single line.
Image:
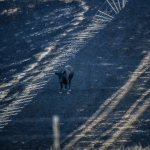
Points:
[(102, 67)]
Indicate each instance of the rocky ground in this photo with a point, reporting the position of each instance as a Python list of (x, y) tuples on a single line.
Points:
[(109, 104)]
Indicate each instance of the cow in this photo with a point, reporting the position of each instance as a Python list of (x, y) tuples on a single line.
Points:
[(65, 76)]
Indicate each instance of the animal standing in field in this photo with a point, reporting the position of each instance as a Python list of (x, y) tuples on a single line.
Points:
[(65, 76)]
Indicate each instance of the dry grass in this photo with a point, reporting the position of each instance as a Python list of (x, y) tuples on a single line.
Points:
[(133, 148)]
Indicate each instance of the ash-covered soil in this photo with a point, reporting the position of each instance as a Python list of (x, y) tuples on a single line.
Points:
[(109, 105)]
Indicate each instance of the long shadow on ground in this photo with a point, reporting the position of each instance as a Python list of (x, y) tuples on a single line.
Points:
[(101, 68)]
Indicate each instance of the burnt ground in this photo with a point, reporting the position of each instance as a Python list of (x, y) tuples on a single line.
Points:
[(109, 103)]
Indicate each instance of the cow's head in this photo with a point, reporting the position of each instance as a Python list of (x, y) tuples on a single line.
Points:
[(60, 76)]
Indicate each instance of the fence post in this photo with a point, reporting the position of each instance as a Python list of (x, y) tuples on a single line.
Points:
[(56, 132)]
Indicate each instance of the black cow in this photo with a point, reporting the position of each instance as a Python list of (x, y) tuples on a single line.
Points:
[(65, 75)]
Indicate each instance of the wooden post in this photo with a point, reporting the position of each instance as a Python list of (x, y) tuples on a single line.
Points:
[(56, 132)]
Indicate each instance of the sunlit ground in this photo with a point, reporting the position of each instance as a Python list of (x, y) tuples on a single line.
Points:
[(107, 107), (26, 83), (53, 43)]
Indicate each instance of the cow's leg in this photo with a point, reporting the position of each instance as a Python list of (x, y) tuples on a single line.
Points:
[(66, 87), (61, 86), (69, 85)]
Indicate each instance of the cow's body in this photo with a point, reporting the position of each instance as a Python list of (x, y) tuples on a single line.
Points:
[(65, 76)]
